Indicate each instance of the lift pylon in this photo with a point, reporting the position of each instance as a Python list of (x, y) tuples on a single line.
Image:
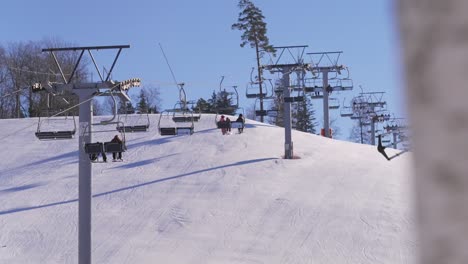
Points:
[(323, 64), (86, 92)]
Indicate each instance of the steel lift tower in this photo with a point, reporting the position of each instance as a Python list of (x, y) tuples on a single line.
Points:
[(86, 92), (286, 69), (324, 63)]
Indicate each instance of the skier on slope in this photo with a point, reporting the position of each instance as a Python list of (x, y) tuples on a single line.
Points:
[(222, 123), (242, 120), (228, 125)]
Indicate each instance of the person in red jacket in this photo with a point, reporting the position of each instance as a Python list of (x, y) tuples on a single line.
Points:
[(222, 121)]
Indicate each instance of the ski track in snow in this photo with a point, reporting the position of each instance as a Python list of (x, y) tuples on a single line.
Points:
[(207, 198)]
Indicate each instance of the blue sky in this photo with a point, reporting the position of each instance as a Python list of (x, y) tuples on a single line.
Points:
[(201, 47)]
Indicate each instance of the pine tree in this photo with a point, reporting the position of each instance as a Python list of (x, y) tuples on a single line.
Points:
[(203, 106), (305, 116), (142, 105), (224, 103), (125, 108), (213, 101), (254, 29)]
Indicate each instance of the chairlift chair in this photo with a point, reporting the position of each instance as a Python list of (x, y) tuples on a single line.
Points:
[(182, 113), (134, 122), (252, 90), (231, 94), (333, 103), (316, 95), (168, 127), (56, 127), (346, 111), (104, 144)]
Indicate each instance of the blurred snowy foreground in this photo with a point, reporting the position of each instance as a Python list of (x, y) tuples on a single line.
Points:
[(206, 198)]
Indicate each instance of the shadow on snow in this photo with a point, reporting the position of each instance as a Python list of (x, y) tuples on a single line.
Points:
[(22, 209)]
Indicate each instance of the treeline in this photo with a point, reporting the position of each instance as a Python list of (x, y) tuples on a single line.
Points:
[(221, 102), (23, 63)]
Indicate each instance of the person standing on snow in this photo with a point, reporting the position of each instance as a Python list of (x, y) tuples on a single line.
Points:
[(228, 123), (222, 122), (242, 120)]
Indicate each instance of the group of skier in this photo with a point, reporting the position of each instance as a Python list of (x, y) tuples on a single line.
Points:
[(225, 124)]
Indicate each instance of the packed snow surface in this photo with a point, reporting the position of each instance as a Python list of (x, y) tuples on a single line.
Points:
[(206, 198)]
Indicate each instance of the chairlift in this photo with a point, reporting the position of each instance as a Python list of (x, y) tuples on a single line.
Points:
[(55, 124), (270, 110), (346, 111), (184, 114), (333, 103), (346, 83), (102, 133), (231, 95), (252, 90), (134, 122), (167, 126), (56, 127), (313, 85)]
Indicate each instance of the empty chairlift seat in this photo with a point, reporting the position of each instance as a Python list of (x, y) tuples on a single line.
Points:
[(134, 122), (45, 135), (174, 122), (57, 127), (138, 128)]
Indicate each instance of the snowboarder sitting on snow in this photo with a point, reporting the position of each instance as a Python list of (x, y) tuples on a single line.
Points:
[(116, 139), (240, 119)]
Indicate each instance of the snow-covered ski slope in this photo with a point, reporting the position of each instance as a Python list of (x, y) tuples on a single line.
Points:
[(206, 198)]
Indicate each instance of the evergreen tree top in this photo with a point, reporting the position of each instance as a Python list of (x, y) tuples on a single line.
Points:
[(254, 29)]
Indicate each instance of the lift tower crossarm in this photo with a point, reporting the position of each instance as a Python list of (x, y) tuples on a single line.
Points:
[(82, 49)]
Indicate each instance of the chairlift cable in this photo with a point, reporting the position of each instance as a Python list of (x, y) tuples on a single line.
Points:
[(13, 93), (168, 65), (98, 94), (35, 72)]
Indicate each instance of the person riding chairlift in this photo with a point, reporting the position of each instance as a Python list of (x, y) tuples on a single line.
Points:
[(116, 139)]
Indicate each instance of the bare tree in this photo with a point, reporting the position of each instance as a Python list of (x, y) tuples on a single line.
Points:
[(23, 64)]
